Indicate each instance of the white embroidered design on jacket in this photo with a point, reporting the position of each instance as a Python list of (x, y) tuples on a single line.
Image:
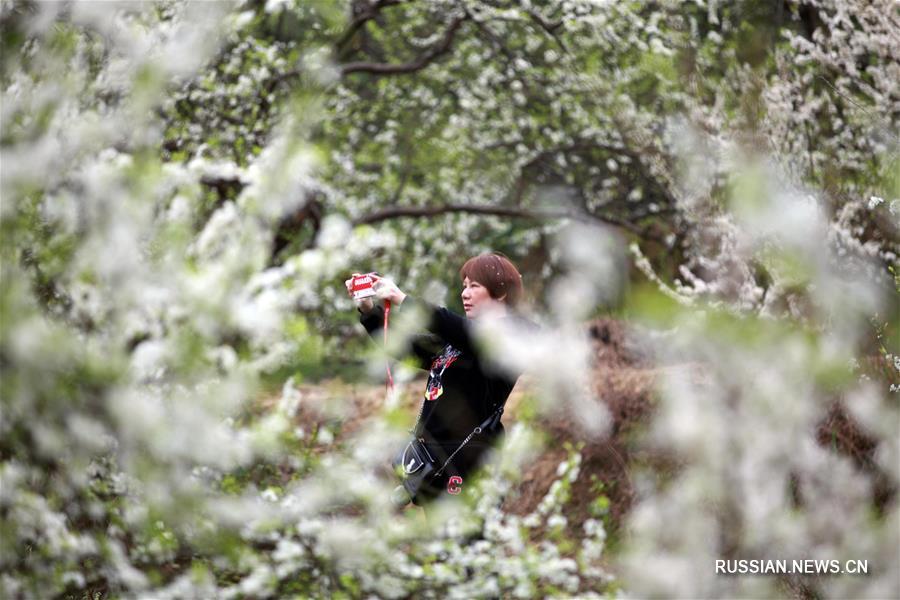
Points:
[(435, 388)]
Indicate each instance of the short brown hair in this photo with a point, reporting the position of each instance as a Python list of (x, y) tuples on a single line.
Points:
[(496, 273)]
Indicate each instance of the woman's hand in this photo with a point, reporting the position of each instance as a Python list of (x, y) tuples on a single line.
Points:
[(388, 290)]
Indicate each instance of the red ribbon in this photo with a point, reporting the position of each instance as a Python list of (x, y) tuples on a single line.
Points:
[(387, 312)]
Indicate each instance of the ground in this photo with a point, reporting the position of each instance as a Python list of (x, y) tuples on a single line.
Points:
[(623, 378)]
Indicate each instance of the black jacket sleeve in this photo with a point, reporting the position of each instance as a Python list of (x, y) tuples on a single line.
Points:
[(421, 347), (448, 326)]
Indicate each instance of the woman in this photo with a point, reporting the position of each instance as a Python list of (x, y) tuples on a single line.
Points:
[(465, 392)]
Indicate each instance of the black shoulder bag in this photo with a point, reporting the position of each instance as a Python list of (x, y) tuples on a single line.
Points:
[(417, 468)]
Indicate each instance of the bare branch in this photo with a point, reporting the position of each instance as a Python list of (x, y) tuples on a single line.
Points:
[(500, 44), (548, 27), (545, 25), (397, 212), (369, 12), (419, 63), (223, 184)]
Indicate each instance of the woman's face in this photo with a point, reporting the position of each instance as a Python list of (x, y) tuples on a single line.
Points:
[(476, 299)]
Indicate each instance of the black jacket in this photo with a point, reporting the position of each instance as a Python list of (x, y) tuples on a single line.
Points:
[(463, 387)]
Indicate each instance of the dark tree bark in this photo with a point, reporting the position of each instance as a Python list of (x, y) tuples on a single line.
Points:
[(293, 224)]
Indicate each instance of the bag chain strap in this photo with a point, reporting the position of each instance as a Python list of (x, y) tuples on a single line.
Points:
[(475, 432), (415, 432), (415, 429)]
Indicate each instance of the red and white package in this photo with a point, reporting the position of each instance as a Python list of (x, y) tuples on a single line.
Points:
[(362, 286)]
